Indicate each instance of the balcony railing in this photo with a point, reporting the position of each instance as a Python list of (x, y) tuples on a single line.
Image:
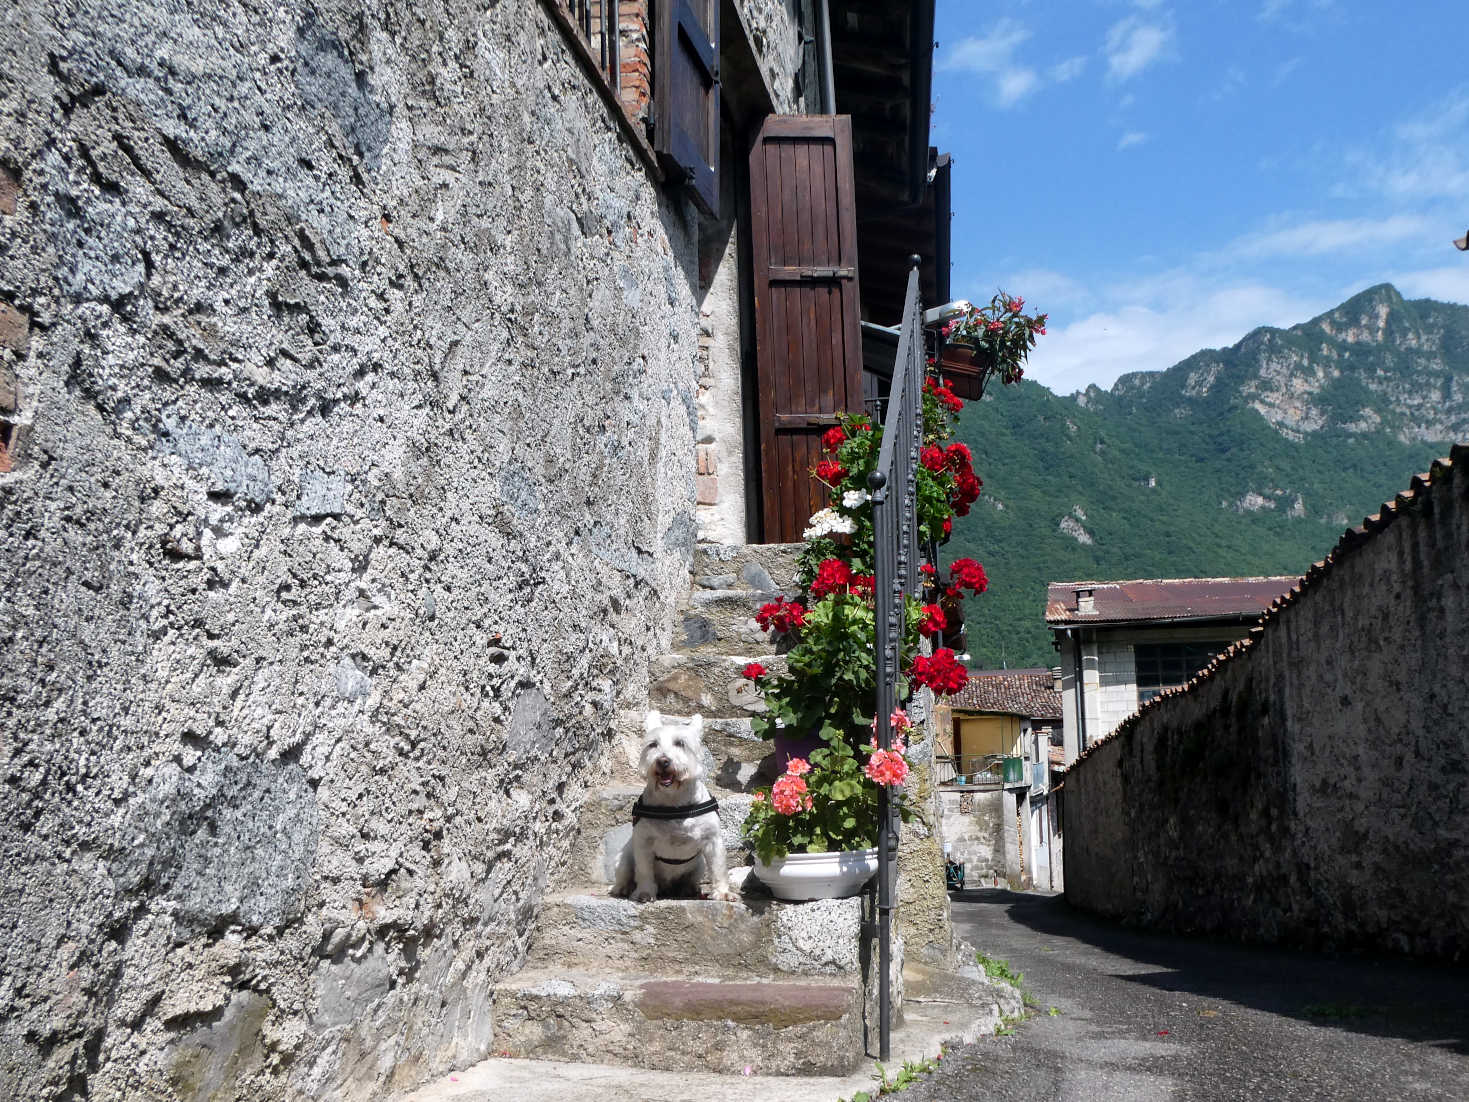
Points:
[(895, 538)]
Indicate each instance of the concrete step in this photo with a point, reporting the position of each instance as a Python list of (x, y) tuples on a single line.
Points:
[(713, 685), (762, 566), (590, 930), (605, 825), (732, 763), (936, 1013), (645, 1019), (723, 620)]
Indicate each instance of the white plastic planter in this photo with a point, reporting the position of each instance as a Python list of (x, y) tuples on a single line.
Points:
[(801, 876)]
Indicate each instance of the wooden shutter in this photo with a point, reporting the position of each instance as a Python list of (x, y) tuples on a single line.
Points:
[(808, 338), (686, 104)]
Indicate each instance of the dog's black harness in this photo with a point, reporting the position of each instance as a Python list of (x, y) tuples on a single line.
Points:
[(641, 810)]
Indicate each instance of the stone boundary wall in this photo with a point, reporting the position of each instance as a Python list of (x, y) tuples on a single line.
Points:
[(349, 366), (1312, 785)]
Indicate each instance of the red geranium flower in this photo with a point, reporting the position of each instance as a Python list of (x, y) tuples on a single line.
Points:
[(830, 471), (833, 438), (958, 458), (754, 671), (969, 574), (781, 616), (933, 621), (832, 576), (948, 526), (932, 457), (940, 672)]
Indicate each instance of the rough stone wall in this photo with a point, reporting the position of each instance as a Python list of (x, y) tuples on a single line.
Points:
[(1311, 786), (974, 830), (773, 28), (923, 920), (353, 488)]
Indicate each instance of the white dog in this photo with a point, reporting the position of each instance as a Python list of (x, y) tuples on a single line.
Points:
[(675, 834)]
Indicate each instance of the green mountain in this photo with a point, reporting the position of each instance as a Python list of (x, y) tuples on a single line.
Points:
[(1242, 461)]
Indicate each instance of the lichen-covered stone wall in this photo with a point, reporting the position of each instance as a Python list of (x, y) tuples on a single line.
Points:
[(1313, 787), (353, 456)]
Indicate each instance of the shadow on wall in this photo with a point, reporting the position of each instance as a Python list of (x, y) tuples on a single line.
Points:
[(1378, 996)]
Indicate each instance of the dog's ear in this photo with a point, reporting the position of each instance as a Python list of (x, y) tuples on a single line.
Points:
[(653, 722), (696, 726)]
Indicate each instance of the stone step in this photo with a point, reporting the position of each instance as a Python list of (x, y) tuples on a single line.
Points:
[(723, 621), (588, 929), (762, 566), (605, 825), (732, 762), (642, 1019), (713, 685)]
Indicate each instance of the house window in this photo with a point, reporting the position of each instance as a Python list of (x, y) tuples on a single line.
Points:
[(656, 63), (595, 25), (1169, 665)]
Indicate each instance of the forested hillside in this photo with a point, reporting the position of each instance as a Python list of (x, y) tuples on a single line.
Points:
[(1246, 460)]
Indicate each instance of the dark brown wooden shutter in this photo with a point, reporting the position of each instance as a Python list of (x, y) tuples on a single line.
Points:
[(686, 103), (803, 229)]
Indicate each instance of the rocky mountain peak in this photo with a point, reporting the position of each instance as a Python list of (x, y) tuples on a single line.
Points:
[(1376, 363)]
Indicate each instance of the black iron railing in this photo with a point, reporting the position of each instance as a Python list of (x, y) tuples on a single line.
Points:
[(895, 538), (596, 21)]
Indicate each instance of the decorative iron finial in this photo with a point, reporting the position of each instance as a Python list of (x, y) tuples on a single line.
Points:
[(914, 260)]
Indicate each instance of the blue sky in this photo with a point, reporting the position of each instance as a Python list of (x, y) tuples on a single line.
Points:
[(1164, 177)]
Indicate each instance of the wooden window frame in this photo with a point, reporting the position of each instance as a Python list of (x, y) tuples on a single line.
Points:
[(605, 84)]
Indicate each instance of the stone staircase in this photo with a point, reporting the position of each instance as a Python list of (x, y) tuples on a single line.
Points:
[(697, 984)]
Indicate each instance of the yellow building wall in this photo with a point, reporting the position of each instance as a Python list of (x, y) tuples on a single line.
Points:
[(976, 735)]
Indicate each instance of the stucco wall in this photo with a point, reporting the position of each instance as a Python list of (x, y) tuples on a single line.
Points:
[(357, 358), (1311, 786)]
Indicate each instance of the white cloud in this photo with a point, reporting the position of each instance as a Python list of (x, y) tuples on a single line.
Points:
[(1152, 334), (1130, 139), (992, 56), (1013, 85), (986, 53), (1233, 82), (1048, 290), (1447, 284), (1284, 70), (1424, 157), (1133, 44), (1322, 236), (1069, 69), (1286, 11)]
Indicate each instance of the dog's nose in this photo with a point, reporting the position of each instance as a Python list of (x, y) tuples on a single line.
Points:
[(662, 762)]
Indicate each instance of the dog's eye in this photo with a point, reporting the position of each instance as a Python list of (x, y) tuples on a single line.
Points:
[(679, 743), (652, 745)]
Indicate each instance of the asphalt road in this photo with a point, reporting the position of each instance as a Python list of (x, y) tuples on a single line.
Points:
[(1147, 1016)]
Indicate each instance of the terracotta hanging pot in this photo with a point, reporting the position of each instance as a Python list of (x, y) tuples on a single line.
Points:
[(966, 369)]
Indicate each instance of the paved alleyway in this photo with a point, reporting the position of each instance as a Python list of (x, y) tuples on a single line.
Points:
[(1144, 1016)]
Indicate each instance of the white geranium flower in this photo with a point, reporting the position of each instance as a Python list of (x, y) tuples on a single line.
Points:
[(854, 498), (827, 522)]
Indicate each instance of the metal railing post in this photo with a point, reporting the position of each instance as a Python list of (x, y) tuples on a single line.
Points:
[(892, 485)]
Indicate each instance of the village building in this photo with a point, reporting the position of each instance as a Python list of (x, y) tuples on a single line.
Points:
[(1121, 643), (995, 744)]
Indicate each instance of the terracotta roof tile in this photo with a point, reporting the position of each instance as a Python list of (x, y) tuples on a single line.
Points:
[(1010, 692)]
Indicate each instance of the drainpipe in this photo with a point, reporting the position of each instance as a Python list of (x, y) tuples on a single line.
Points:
[(823, 58), (1080, 693)]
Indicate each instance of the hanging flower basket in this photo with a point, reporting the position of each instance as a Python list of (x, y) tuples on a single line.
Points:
[(966, 370)]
